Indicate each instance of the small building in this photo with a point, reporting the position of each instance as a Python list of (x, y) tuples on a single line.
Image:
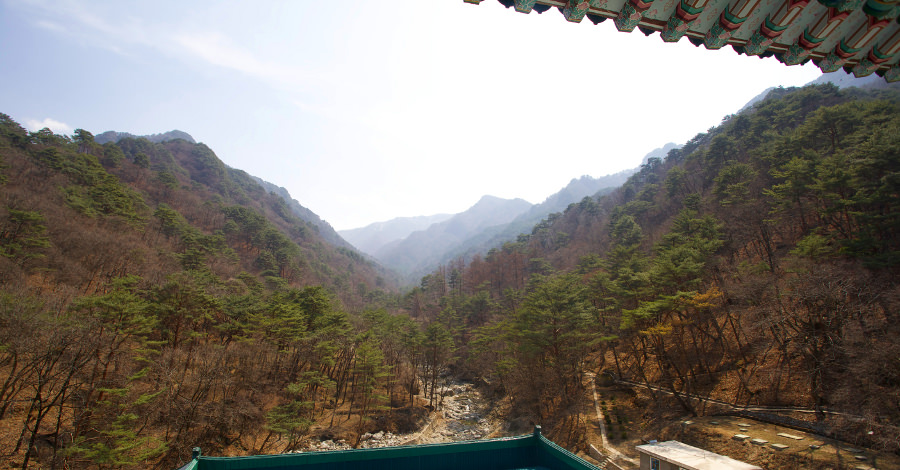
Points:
[(531, 451), (674, 455)]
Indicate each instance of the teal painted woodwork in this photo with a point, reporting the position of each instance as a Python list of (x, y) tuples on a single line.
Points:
[(528, 451), (857, 35)]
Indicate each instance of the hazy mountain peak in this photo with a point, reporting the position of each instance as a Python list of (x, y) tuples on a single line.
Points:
[(422, 249), (487, 199), (374, 236), (757, 99), (490, 202), (114, 136), (842, 80), (660, 152)]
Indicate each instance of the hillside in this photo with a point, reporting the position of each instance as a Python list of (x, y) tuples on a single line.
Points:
[(430, 250), (325, 230), (757, 265), (186, 193), (151, 296), (153, 299)]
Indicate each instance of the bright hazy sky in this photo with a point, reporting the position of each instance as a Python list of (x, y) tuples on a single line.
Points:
[(367, 110)]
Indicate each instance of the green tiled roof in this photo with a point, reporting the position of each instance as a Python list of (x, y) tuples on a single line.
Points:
[(532, 451), (860, 36)]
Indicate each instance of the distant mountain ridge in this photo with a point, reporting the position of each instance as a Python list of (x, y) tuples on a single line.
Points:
[(413, 246), (422, 250), (659, 153), (839, 78), (114, 137), (373, 237), (576, 190), (846, 80)]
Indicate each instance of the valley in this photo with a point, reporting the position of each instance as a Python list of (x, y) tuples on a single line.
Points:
[(154, 299)]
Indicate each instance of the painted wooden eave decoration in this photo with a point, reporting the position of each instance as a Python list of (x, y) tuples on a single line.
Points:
[(860, 36)]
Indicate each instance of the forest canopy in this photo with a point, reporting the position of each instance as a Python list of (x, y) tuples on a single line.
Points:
[(154, 299)]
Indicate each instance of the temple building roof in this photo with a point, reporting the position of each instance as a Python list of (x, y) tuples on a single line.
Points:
[(532, 451), (860, 36)]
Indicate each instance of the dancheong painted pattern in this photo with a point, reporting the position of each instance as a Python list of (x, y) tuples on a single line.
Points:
[(860, 36)]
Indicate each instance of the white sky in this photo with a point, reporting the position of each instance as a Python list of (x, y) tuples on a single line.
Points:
[(372, 109)]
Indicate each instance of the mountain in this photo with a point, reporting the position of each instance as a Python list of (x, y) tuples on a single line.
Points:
[(386, 241), (576, 190), (149, 295), (371, 238), (844, 80), (659, 153), (203, 213), (839, 78), (756, 99), (113, 136), (757, 265), (324, 228), (148, 279), (423, 249)]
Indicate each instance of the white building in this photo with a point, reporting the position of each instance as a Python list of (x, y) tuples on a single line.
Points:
[(674, 455)]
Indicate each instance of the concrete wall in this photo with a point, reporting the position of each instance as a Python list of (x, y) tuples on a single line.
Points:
[(663, 465)]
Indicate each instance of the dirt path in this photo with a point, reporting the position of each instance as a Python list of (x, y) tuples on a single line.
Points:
[(607, 449)]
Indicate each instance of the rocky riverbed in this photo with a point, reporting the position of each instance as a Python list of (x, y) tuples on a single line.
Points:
[(463, 415)]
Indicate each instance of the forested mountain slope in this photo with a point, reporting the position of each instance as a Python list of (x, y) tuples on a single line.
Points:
[(176, 200), (326, 231), (843, 79), (756, 265), (153, 299)]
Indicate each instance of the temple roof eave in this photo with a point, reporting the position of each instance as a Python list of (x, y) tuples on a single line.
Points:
[(859, 36)]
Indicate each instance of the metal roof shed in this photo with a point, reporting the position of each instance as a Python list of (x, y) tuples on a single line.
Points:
[(531, 451), (674, 455)]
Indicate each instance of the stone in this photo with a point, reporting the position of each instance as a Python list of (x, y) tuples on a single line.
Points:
[(714, 423), (790, 436), (740, 437), (779, 446), (744, 425), (759, 442), (860, 457)]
